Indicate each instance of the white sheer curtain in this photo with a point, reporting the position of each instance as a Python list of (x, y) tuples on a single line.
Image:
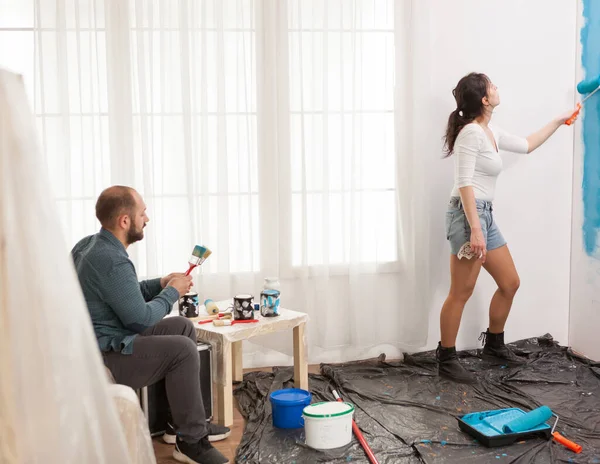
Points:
[(281, 134), (53, 378), (344, 120)]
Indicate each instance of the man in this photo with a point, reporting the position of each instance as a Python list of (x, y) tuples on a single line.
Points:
[(138, 345)]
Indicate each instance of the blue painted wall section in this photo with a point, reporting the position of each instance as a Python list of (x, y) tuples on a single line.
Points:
[(590, 60)]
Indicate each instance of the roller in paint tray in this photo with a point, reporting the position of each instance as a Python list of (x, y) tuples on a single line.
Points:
[(501, 427), (534, 418), (590, 87)]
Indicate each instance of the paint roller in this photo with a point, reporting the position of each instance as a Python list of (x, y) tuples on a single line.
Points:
[(211, 307), (590, 87), (537, 417)]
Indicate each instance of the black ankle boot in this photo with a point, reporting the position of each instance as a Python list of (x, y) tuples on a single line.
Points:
[(494, 349), (450, 368)]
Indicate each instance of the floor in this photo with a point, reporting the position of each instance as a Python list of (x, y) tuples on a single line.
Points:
[(164, 452)]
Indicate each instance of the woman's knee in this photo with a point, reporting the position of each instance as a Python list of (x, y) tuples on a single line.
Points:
[(510, 286), (463, 291)]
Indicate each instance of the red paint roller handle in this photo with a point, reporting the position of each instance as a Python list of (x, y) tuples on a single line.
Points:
[(573, 117), (567, 443), (359, 436)]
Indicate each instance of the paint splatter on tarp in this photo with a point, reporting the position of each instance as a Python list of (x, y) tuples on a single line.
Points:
[(590, 61), (406, 424)]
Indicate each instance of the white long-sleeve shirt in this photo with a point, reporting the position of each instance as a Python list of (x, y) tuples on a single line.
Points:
[(476, 161)]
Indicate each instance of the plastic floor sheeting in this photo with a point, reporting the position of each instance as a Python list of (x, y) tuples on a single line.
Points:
[(408, 414)]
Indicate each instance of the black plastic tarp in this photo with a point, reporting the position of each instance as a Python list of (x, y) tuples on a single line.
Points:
[(408, 414)]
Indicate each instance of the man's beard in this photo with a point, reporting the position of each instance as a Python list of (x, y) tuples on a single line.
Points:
[(135, 235)]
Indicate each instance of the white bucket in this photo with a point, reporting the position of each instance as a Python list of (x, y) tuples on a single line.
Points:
[(328, 425)]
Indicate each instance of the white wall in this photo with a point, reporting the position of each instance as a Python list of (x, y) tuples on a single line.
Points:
[(528, 49), (584, 321)]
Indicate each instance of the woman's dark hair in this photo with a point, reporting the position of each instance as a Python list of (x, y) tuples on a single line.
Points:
[(468, 94)]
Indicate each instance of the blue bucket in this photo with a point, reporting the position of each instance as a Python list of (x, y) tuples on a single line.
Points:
[(287, 406)]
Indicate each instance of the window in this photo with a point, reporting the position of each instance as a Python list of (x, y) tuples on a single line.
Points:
[(168, 106), (342, 131), (162, 95)]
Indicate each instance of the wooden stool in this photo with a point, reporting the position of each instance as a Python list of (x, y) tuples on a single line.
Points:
[(227, 349)]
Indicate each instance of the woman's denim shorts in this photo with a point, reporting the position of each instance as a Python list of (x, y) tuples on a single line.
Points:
[(458, 231)]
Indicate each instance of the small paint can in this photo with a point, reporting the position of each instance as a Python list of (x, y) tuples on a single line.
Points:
[(243, 308), (269, 303), (189, 305)]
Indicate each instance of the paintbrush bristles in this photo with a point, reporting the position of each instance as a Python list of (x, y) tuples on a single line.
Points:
[(199, 251), (199, 255)]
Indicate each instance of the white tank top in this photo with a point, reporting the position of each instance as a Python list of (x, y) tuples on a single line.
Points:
[(476, 161)]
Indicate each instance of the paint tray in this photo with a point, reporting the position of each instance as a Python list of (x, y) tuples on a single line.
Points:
[(486, 427)]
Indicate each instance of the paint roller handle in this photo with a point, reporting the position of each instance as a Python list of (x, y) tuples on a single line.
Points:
[(567, 443), (573, 117), (359, 435)]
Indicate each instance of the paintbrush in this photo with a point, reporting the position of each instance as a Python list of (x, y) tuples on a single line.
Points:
[(226, 322), (199, 255)]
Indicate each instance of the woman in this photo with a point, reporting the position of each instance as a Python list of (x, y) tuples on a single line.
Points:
[(470, 222)]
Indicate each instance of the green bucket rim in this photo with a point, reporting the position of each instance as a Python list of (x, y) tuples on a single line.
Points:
[(322, 416)]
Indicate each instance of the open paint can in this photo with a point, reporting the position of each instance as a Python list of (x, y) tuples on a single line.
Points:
[(287, 406), (243, 308), (189, 305), (328, 425)]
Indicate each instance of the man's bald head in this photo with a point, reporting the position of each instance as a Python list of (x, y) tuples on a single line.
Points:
[(114, 202)]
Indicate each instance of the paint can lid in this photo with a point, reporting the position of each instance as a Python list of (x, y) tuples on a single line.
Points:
[(328, 409), (290, 397)]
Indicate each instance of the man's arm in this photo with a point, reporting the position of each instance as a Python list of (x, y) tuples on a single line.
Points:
[(150, 288), (122, 291)]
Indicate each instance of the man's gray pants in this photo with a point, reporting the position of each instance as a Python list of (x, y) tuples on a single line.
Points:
[(167, 351)]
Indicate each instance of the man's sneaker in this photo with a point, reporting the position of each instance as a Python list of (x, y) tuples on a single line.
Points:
[(215, 433), (169, 435), (495, 350), (450, 368), (201, 452)]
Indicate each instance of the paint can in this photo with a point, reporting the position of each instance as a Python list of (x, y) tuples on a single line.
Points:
[(243, 308), (287, 406), (189, 305), (269, 303), (328, 425)]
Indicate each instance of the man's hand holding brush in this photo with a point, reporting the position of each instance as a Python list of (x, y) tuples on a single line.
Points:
[(164, 281), (179, 281)]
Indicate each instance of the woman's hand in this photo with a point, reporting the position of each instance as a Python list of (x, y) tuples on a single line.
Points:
[(566, 116), (478, 244), (539, 137)]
